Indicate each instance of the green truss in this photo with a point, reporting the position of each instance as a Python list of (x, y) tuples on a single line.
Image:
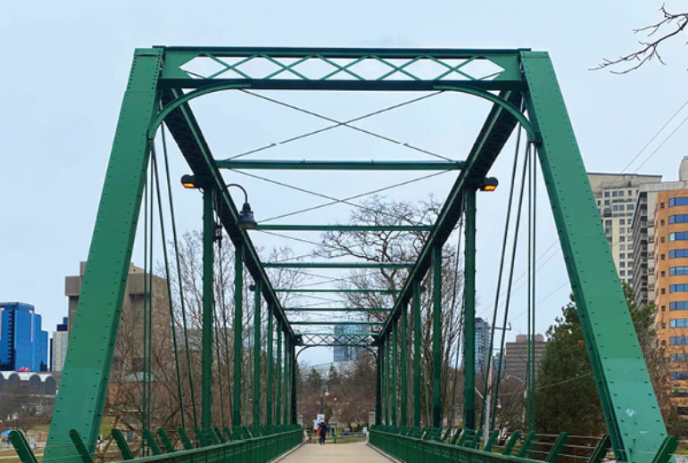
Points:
[(164, 76)]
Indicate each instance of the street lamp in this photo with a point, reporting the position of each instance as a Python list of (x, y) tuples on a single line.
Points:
[(246, 220), (323, 392)]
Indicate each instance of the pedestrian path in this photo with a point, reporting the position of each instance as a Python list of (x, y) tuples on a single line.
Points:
[(357, 452)]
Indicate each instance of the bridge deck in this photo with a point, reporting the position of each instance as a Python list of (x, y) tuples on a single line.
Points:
[(358, 452)]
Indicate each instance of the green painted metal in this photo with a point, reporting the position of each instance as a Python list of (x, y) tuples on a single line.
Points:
[(394, 365), (279, 387), (218, 434), (257, 384), (334, 309), (165, 439), (335, 290), (553, 455), (666, 450), (636, 427), (122, 445), (238, 332), (509, 446), (385, 378), (293, 410), (80, 447), (21, 446), (416, 352), (184, 436), (270, 367), (491, 440), (337, 165), (208, 307), (403, 420), (83, 387), (337, 323), (526, 445), (469, 312), (601, 449), (342, 265), (437, 337), (352, 335), (346, 228), (378, 386), (151, 442)]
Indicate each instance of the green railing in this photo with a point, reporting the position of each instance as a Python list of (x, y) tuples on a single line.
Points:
[(259, 449)]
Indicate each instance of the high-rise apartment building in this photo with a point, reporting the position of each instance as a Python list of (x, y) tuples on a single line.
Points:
[(615, 195), (58, 346), (516, 355), (661, 229), (344, 354), (23, 343), (482, 344)]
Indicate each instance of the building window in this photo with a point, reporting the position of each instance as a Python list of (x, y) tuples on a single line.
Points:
[(682, 288), (678, 236), (663, 308), (661, 257), (673, 271), (678, 218), (663, 273), (661, 222), (678, 340), (606, 194), (661, 205), (622, 255), (630, 255), (679, 376), (599, 203), (630, 273), (663, 291), (680, 201), (678, 253), (630, 192), (622, 273), (630, 207), (622, 238), (606, 202), (663, 343), (678, 323), (614, 193), (622, 221), (679, 305), (661, 239), (621, 193)]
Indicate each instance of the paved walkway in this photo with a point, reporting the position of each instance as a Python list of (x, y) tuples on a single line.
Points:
[(357, 452)]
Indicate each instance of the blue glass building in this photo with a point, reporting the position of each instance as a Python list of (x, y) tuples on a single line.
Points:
[(23, 343)]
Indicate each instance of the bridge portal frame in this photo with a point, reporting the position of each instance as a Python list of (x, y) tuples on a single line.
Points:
[(158, 79)]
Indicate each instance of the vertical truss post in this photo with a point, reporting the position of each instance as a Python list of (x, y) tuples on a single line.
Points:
[(437, 336), (416, 353), (469, 317), (635, 426), (278, 385), (292, 387), (385, 377), (257, 384), (404, 363), (269, 387), (378, 387), (287, 378), (208, 308), (395, 390), (238, 331), (87, 367)]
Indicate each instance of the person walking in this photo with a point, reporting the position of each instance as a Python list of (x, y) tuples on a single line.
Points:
[(322, 432)]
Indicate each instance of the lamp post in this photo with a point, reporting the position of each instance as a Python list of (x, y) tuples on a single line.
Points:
[(246, 219), (525, 395), (323, 392)]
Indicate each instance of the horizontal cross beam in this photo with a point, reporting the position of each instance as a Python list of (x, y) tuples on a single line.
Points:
[(345, 228), (355, 335), (265, 164), (335, 290), (333, 323), (328, 309), (379, 265)]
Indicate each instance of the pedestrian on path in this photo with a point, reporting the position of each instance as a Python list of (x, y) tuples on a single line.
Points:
[(322, 432)]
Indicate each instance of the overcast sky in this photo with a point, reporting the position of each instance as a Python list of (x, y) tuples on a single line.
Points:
[(65, 67)]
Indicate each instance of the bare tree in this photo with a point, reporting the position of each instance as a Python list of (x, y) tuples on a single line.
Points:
[(671, 25)]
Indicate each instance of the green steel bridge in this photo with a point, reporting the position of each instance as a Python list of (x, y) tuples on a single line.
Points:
[(525, 99)]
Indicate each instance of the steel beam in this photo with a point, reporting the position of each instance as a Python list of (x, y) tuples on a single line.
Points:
[(378, 386), (395, 342), (635, 426), (328, 309), (208, 308), (339, 265), (280, 387), (338, 165), (270, 367), (238, 332), (417, 320), (335, 290), (345, 228), (257, 383), (403, 421), (469, 316), (336, 323), (83, 389), (437, 337)]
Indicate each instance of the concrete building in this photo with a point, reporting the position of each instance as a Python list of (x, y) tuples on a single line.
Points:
[(615, 195), (58, 346), (482, 344), (661, 228), (516, 355), (23, 343), (128, 358), (345, 354)]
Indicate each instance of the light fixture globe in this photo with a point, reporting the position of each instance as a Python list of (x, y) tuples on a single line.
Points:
[(246, 219)]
